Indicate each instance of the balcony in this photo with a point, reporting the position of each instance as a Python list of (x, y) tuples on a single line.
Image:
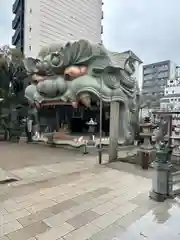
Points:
[(148, 71), (146, 85), (16, 35), (162, 74), (15, 6), (16, 19), (163, 68), (148, 77)]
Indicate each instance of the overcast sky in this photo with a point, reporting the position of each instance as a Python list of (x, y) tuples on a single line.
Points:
[(150, 28)]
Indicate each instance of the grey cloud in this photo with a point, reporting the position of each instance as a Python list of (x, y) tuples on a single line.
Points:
[(6, 21), (149, 27)]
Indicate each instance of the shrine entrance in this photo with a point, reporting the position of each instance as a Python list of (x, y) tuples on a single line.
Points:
[(72, 120)]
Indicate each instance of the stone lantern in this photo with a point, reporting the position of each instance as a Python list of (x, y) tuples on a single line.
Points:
[(146, 134), (146, 151)]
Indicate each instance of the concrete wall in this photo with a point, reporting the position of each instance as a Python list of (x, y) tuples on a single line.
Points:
[(138, 74), (173, 71), (52, 21), (31, 28)]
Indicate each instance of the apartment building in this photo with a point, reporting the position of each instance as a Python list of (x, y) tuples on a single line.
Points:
[(38, 23), (171, 98), (155, 78)]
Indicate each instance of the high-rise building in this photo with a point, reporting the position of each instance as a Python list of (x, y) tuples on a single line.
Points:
[(171, 98), (155, 78), (38, 23)]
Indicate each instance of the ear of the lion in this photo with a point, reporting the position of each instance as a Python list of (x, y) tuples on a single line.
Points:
[(30, 65)]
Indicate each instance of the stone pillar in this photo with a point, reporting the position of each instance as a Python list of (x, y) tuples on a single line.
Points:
[(176, 143), (146, 150), (114, 130), (161, 181)]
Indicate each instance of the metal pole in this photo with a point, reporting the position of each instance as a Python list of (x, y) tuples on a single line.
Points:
[(100, 122), (170, 131), (57, 118)]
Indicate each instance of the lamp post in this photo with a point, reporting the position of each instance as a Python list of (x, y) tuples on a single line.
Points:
[(92, 125), (100, 72), (146, 149), (100, 123)]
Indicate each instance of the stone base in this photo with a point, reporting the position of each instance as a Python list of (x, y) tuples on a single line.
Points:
[(6, 176), (175, 159), (128, 155), (158, 197), (146, 157)]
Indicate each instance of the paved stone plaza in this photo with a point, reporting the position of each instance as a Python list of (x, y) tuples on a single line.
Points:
[(62, 195)]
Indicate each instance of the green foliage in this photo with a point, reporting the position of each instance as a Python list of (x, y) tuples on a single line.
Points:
[(11, 65)]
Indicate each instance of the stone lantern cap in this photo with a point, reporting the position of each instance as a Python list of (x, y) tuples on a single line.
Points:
[(166, 138), (154, 125), (147, 120), (146, 125), (177, 129), (176, 137), (91, 122), (147, 134)]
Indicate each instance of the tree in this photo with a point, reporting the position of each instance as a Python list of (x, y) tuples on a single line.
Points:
[(12, 74), (4, 71)]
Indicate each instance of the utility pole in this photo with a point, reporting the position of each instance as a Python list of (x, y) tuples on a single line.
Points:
[(114, 130)]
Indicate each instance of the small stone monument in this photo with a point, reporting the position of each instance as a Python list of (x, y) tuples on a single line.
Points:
[(146, 151), (176, 141), (92, 128), (160, 181), (91, 142)]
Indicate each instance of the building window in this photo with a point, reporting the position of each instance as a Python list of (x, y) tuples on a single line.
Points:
[(30, 29), (30, 10), (172, 91), (102, 15), (29, 47), (101, 29)]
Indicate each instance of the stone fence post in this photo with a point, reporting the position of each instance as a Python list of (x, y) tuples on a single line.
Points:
[(162, 174)]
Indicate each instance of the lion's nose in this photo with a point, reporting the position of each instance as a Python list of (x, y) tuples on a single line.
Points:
[(74, 72)]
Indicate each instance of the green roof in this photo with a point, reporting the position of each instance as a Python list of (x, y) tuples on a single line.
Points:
[(133, 55)]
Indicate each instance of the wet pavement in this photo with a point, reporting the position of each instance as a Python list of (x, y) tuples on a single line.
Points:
[(63, 195), (161, 222)]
